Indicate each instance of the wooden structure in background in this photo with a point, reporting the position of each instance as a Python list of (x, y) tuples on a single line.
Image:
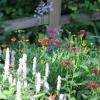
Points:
[(55, 14), (54, 19)]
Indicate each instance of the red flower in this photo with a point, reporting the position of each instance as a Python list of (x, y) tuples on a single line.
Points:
[(67, 63), (75, 49), (55, 41), (82, 32), (51, 40), (95, 70), (93, 85), (98, 47), (58, 41)]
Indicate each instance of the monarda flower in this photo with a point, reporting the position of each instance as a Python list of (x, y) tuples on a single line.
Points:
[(75, 49), (96, 71), (55, 41), (98, 47), (66, 63), (82, 32), (93, 85)]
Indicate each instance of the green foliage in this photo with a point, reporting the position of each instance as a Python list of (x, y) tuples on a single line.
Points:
[(75, 78)]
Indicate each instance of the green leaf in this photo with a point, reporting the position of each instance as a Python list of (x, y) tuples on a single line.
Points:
[(77, 74)]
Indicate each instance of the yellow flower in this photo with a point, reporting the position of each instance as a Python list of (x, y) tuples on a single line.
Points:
[(83, 43), (86, 50), (42, 61), (71, 42), (3, 45), (91, 43), (13, 39), (44, 47)]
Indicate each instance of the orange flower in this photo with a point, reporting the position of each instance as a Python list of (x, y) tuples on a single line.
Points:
[(21, 49), (13, 39), (45, 41), (40, 40)]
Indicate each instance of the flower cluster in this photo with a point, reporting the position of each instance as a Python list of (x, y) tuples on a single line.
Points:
[(43, 8), (54, 31), (46, 41)]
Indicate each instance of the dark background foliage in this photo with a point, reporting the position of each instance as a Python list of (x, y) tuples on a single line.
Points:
[(11, 9)]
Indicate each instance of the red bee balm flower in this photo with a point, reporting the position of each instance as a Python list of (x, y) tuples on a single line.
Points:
[(98, 47), (93, 85), (95, 70), (82, 32), (67, 63), (75, 49)]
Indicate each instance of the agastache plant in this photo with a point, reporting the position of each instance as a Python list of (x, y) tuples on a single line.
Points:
[(47, 71), (58, 83), (62, 97), (38, 82), (10, 79), (20, 71), (24, 66), (13, 53), (46, 86), (7, 62), (18, 92), (34, 65)]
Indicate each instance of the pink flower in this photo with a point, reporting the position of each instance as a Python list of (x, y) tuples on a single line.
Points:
[(52, 30)]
